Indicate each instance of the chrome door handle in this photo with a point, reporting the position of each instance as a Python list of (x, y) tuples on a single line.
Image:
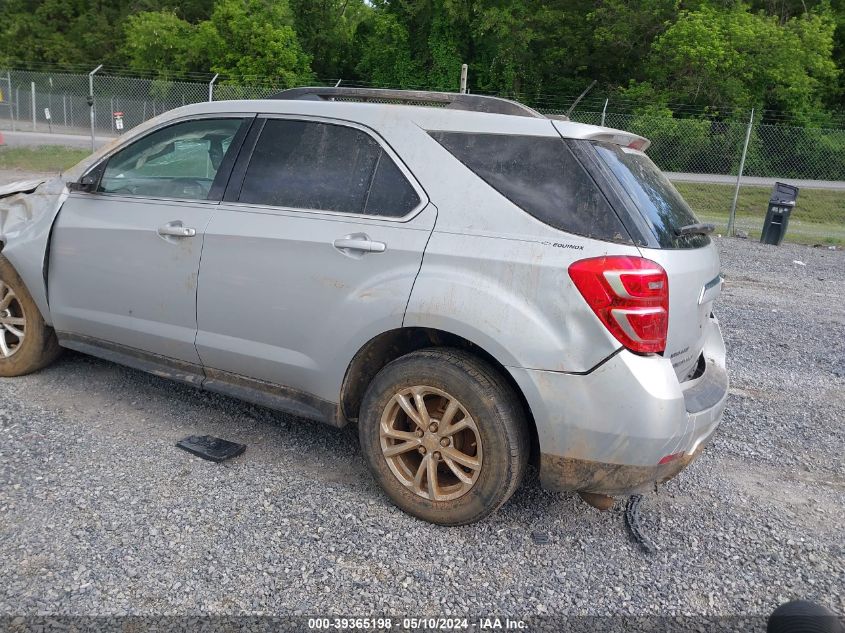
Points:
[(362, 244), (176, 229)]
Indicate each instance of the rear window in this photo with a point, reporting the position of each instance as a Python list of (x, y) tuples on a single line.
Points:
[(653, 194), (541, 176)]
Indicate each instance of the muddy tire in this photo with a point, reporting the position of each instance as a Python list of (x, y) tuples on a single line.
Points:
[(444, 435), (27, 344)]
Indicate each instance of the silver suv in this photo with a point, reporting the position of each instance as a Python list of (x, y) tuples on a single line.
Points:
[(477, 285)]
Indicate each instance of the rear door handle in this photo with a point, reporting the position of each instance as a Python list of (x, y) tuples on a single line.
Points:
[(176, 229), (359, 243)]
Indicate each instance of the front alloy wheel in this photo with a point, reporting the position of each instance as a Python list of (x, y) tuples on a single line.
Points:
[(27, 343), (12, 322)]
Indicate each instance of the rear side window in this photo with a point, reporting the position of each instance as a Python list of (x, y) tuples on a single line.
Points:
[(653, 194), (541, 176), (390, 193), (326, 167)]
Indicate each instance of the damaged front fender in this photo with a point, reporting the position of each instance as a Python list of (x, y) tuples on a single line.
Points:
[(21, 186), (28, 210)]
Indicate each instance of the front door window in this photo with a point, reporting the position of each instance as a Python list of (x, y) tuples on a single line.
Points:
[(179, 161)]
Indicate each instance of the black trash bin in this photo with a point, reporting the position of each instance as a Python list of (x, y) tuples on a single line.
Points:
[(780, 208)]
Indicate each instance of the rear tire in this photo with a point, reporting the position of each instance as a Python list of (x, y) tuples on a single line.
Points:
[(444, 435), (27, 344)]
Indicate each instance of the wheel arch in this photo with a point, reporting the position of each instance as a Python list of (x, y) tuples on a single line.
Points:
[(390, 345)]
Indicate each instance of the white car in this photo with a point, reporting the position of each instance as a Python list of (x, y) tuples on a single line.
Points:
[(475, 284)]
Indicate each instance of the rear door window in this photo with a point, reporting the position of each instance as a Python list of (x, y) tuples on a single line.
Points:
[(541, 176), (325, 167), (652, 193)]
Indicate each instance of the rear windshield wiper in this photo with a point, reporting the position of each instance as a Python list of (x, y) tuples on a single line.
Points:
[(695, 229)]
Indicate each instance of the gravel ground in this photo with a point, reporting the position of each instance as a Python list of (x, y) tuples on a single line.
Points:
[(100, 514)]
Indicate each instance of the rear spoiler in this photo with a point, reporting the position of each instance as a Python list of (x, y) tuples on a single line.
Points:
[(625, 139), (603, 135)]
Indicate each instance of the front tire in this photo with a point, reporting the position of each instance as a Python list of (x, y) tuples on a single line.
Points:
[(444, 435), (27, 344)]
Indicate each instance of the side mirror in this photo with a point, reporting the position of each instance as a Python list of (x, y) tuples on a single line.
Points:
[(86, 184)]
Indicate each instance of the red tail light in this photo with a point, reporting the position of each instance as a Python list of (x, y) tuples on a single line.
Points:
[(630, 295)]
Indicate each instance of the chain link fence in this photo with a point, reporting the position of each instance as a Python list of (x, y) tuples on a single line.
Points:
[(698, 146), (688, 145), (58, 102), (707, 150)]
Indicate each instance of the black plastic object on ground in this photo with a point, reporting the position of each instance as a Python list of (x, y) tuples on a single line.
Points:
[(210, 447), (777, 215), (632, 520), (801, 616)]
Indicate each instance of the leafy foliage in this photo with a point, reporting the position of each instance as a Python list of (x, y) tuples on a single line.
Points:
[(745, 59), (783, 56), (248, 39)]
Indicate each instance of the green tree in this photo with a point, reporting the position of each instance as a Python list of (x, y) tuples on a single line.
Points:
[(386, 53), (326, 30), (161, 40), (784, 56), (254, 39), (247, 40), (623, 31), (72, 32), (739, 58), (61, 32)]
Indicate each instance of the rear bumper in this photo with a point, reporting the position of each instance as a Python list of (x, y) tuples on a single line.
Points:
[(608, 431)]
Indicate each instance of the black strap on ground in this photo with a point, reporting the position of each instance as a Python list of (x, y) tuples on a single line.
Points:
[(632, 520)]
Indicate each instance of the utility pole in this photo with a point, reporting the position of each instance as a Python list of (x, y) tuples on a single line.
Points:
[(91, 102), (211, 87), (32, 83), (732, 216), (11, 100)]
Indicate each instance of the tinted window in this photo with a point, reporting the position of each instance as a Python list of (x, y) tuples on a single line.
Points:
[(390, 194), (541, 176), (306, 165), (653, 194), (179, 161)]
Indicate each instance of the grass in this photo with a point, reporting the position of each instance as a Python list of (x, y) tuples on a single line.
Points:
[(44, 158), (818, 217)]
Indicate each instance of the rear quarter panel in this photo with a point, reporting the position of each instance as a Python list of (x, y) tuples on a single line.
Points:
[(497, 276), (513, 298)]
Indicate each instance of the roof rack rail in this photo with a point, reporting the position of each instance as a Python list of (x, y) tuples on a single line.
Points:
[(453, 100)]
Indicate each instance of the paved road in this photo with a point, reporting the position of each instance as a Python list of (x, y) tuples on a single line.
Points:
[(756, 181), (22, 139)]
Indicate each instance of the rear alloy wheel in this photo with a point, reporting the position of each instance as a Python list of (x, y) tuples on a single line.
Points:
[(26, 343), (444, 435), (431, 443)]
